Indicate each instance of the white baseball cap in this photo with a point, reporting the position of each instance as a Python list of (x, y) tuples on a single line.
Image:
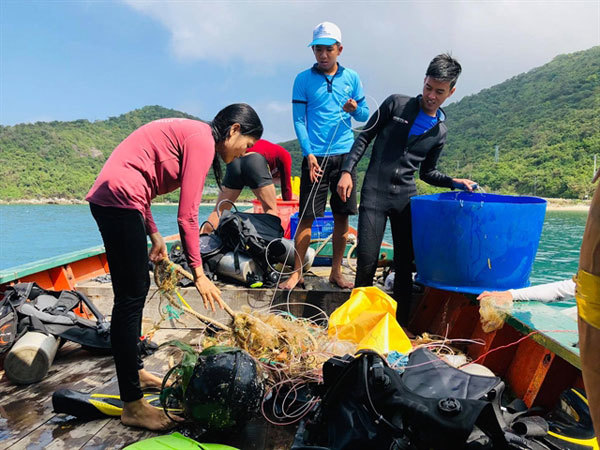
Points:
[(326, 33)]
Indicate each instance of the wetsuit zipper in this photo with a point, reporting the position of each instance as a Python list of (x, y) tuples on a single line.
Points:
[(418, 138)]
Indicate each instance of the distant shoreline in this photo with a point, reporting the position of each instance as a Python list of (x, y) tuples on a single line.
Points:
[(554, 204), (71, 201)]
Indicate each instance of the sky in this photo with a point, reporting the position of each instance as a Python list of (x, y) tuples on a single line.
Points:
[(69, 60)]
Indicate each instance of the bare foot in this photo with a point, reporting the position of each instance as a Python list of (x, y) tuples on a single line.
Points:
[(292, 281), (340, 281), (150, 381), (140, 414)]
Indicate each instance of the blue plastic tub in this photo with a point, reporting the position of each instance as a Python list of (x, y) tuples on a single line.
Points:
[(471, 243), (322, 227)]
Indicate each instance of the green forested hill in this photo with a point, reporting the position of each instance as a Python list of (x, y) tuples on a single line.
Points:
[(546, 123), (62, 159)]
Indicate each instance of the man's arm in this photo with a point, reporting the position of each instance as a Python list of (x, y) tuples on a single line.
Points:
[(549, 292), (377, 121), (361, 113), (299, 114), (428, 171)]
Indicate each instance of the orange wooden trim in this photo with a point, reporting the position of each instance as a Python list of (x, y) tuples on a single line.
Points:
[(449, 314), (528, 370), (87, 268), (476, 350), (561, 375), (500, 360), (426, 310)]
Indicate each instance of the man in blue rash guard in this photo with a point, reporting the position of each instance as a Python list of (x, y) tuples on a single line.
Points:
[(325, 98), (409, 134)]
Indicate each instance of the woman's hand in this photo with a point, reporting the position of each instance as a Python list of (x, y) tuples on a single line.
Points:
[(208, 291), (500, 295), (158, 251)]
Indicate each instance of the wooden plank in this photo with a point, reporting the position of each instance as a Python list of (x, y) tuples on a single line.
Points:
[(528, 370), (29, 418), (464, 324), (500, 360), (88, 268), (25, 408), (556, 331), (61, 432), (560, 376), (426, 310), (116, 435), (449, 314), (477, 350)]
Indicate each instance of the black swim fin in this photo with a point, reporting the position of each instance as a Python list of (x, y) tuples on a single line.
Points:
[(571, 424), (96, 406)]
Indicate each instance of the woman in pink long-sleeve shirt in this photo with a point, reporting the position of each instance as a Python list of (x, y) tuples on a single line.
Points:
[(155, 159)]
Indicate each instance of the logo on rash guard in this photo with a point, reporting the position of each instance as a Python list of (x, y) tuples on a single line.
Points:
[(399, 119)]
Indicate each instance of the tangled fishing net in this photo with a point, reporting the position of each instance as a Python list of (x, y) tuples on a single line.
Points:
[(289, 351), (493, 311), (287, 347)]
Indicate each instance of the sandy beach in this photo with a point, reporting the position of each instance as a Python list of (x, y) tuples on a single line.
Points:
[(567, 204), (554, 204)]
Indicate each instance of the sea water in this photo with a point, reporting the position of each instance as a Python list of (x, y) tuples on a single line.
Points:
[(29, 233)]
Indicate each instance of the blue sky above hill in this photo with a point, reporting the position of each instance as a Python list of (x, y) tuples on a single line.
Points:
[(66, 60)]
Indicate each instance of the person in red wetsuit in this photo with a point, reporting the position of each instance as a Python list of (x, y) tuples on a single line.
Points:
[(280, 163), (264, 164), (157, 158)]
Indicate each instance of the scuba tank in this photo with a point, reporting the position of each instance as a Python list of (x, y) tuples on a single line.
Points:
[(249, 271), (29, 360), (283, 251)]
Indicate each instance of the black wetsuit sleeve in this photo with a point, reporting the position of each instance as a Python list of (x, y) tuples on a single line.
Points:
[(375, 123), (428, 171)]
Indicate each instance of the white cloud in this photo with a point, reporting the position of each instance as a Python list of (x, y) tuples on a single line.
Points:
[(388, 43), (279, 107)]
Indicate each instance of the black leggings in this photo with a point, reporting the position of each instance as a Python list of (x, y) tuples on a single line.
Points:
[(251, 170), (124, 234), (371, 227)]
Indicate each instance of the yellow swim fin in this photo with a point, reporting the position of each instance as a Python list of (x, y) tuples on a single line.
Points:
[(96, 405)]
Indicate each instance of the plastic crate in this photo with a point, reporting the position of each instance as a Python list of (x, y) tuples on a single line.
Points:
[(321, 227), (285, 208)]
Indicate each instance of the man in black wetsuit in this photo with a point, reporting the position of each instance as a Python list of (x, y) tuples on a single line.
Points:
[(409, 132)]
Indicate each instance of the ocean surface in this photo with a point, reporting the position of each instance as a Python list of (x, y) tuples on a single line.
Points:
[(32, 232)]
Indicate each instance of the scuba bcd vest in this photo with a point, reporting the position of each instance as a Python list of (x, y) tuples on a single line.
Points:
[(250, 234), (27, 307), (211, 250), (432, 405)]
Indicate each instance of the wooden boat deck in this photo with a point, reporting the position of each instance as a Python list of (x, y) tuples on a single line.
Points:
[(27, 420), (537, 369)]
